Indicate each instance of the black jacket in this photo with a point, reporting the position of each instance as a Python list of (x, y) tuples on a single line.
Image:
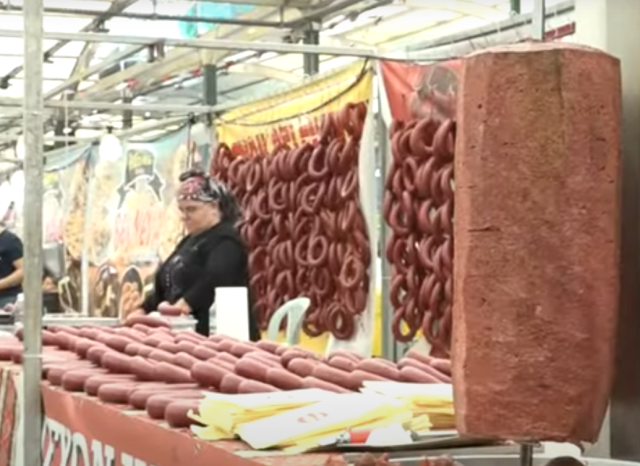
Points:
[(216, 258)]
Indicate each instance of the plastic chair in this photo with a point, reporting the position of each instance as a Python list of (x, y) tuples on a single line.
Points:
[(294, 311)]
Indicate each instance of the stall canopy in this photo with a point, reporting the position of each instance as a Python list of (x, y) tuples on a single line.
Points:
[(146, 75)]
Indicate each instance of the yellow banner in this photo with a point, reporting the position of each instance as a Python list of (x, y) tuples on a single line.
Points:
[(293, 117)]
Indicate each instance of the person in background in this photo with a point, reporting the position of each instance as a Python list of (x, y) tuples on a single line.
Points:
[(211, 255), (11, 267)]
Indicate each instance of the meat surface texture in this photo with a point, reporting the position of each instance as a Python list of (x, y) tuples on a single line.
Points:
[(537, 241)]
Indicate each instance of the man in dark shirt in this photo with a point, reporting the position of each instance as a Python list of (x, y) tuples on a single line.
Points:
[(11, 267)]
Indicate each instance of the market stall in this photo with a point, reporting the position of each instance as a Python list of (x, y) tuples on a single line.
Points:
[(115, 373), (302, 165), (70, 435)]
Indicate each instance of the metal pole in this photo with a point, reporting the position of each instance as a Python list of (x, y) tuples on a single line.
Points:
[(510, 24), (538, 19), (311, 63), (33, 122), (206, 44), (526, 454), (388, 343), (210, 84), (113, 106), (156, 17)]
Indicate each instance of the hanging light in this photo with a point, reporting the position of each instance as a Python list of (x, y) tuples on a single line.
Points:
[(5, 198), (20, 148), (200, 134), (16, 183), (110, 147)]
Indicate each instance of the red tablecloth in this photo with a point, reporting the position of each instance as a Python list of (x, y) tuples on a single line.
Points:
[(8, 418), (78, 427)]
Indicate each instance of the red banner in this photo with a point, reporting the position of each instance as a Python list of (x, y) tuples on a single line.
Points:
[(81, 431), (8, 417), (418, 91)]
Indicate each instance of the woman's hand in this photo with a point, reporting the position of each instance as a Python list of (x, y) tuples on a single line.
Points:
[(177, 309), (135, 313), (184, 307)]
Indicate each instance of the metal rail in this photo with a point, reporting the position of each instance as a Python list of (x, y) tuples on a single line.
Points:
[(153, 17), (90, 105), (538, 20), (206, 44), (33, 122), (115, 7)]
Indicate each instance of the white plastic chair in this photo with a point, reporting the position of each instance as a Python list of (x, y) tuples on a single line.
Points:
[(294, 311)]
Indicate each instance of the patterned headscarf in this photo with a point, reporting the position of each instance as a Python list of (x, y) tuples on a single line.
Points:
[(197, 186)]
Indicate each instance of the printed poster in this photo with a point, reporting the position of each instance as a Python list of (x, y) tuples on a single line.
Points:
[(417, 91), (64, 204), (135, 223)]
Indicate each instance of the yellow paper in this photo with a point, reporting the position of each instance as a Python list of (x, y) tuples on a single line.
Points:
[(432, 400), (221, 414), (318, 420)]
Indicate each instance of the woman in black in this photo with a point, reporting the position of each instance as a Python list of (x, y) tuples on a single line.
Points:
[(212, 254)]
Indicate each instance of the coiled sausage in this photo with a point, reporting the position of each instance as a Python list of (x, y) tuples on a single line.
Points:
[(418, 207), (304, 225)]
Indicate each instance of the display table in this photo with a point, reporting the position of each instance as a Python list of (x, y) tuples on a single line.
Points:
[(79, 430)]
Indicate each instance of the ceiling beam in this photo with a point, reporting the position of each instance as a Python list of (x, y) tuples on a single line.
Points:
[(464, 7), (116, 7), (184, 60), (265, 71), (181, 59), (271, 3)]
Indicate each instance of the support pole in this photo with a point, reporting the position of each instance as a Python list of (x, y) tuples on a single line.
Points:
[(526, 454), (538, 19), (390, 350), (311, 63), (127, 115), (32, 235), (210, 85)]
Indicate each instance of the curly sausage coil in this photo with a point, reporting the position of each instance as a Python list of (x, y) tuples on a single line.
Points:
[(418, 207), (303, 223)]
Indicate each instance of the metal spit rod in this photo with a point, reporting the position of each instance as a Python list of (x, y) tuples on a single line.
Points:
[(538, 18), (526, 454)]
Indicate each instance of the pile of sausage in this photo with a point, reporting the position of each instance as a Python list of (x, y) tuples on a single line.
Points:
[(418, 207), (303, 223), (149, 366)]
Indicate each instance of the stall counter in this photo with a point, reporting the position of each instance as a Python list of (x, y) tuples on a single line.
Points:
[(81, 430)]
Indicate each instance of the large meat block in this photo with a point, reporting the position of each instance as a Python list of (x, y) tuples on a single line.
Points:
[(536, 241)]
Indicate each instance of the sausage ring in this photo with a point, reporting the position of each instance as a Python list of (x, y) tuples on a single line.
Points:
[(318, 251), (352, 273), (341, 322)]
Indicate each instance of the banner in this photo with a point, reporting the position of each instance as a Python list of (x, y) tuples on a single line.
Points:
[(294, 117), (134, 221), (80, 431), (418, 91), (10, 418), (65, 186)]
